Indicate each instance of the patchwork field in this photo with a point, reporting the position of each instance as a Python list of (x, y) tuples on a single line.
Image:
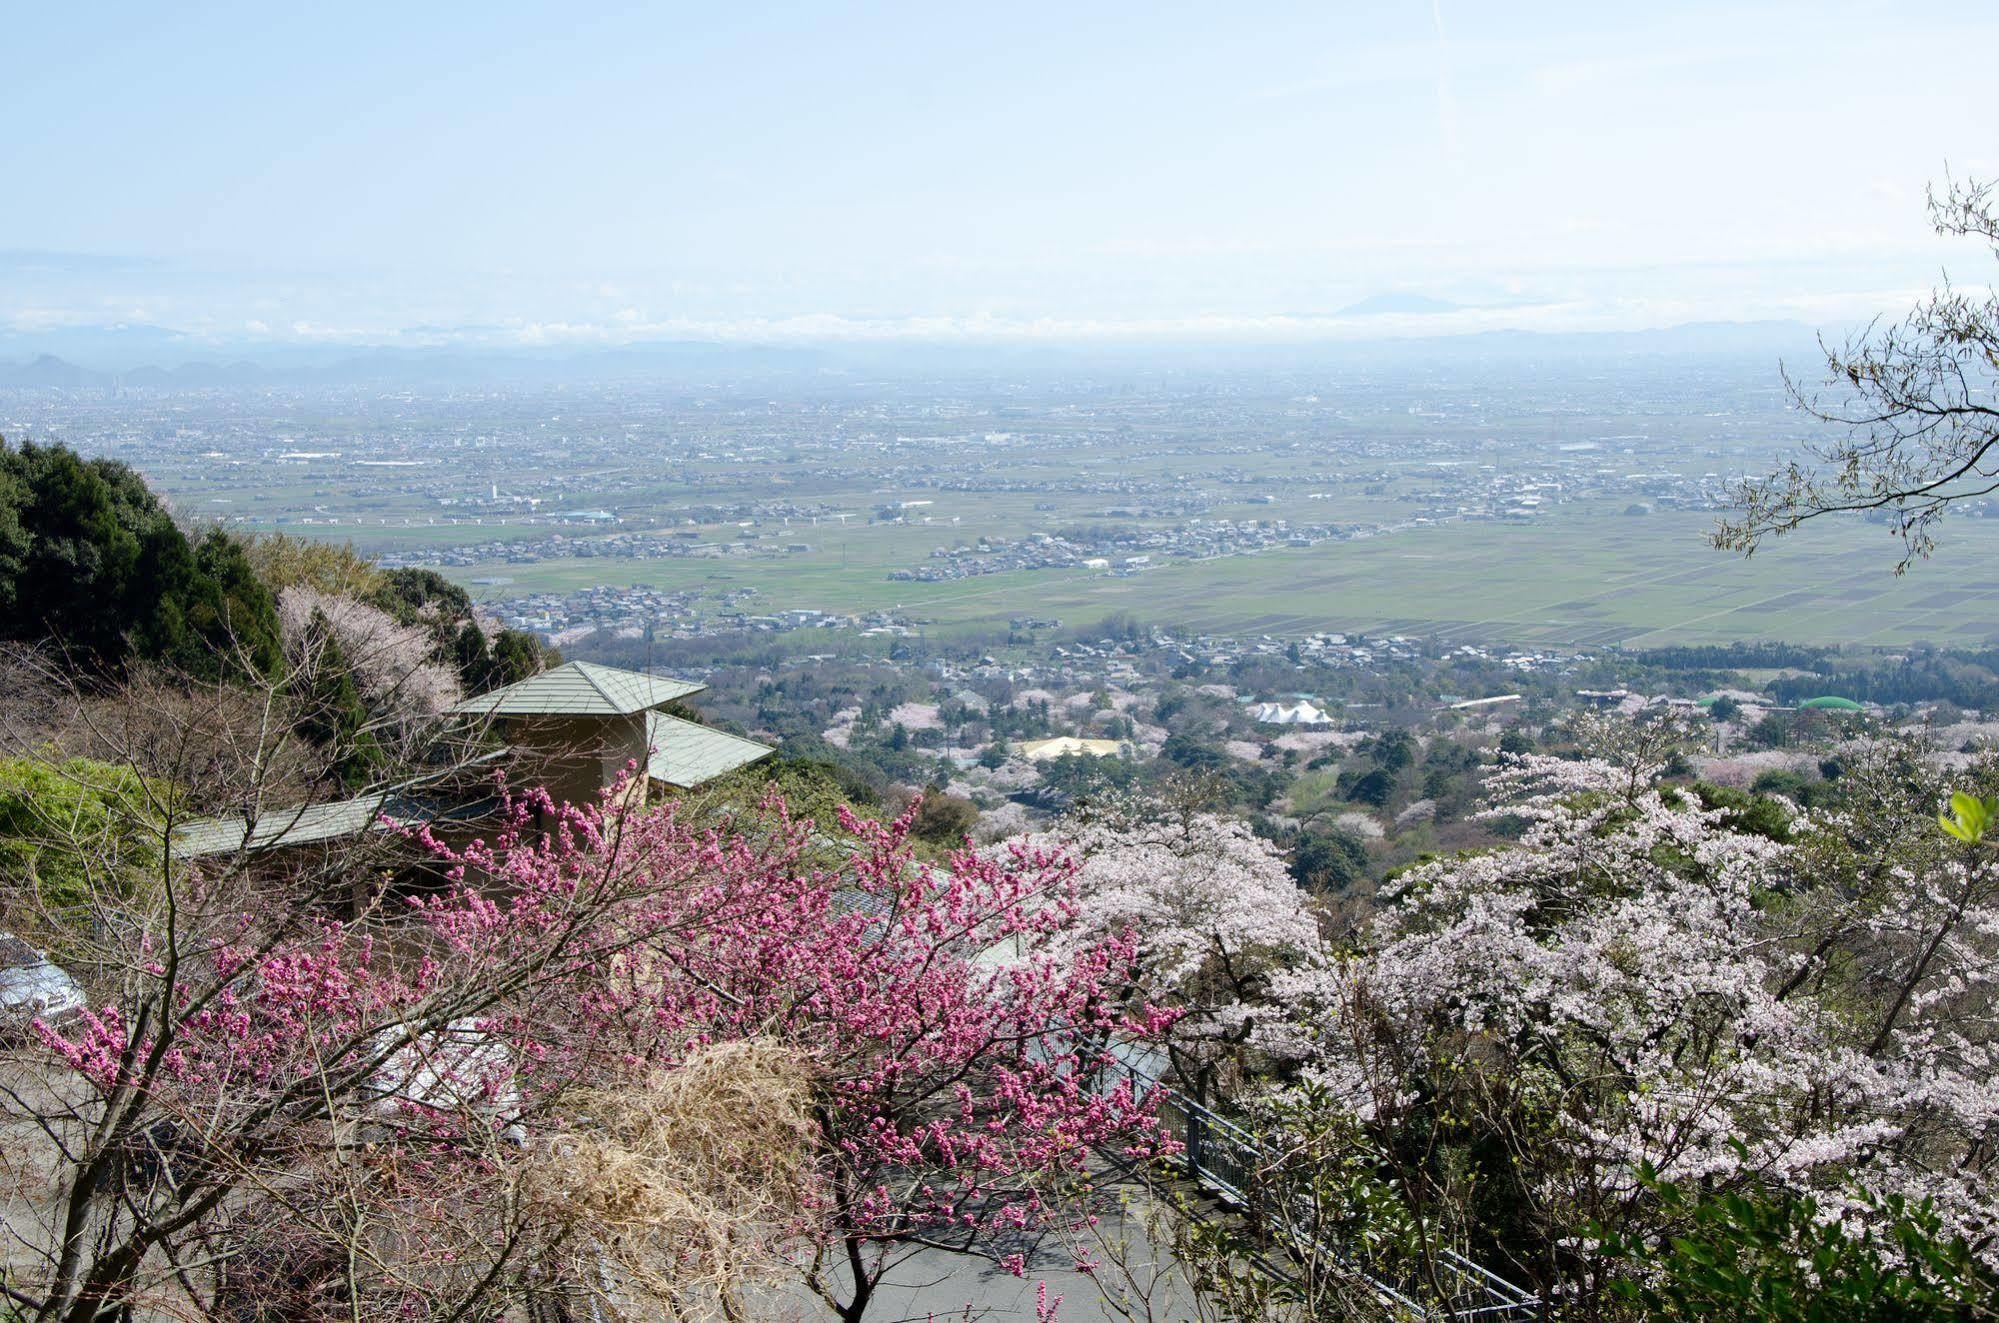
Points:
[(1577, 578), (1532, 502)]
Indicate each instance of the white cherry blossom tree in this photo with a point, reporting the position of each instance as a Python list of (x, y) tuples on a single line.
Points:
[(1216, 916)]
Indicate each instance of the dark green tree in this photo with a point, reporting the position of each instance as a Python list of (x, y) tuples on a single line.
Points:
[(1193, 754), (1395, 750), (517, 655), (1331, 862), (1776, 1257), (468, 654), (1376, 788), (229, 610), (411, 592), (330, 711), (91, 559), (1078, 776)]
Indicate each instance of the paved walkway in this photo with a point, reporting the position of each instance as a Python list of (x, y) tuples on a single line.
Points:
[(934, 1285)]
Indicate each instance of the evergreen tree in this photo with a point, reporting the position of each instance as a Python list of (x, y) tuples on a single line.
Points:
[(468, 652), (1376, 788), (330, 711), (1329, 863), (229, 608), (90, 558), (516, 655), (405, 594)]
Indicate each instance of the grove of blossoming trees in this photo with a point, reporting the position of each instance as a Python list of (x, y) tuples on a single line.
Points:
[(1526, 1035), (1545, 1054), (394, 665), (270, 1113), (1213, 913)]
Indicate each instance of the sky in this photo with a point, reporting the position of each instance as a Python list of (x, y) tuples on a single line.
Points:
[(519, 173)]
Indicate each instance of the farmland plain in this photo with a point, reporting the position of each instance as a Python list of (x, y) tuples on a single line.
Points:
[(1582, 578), (1522, 500)]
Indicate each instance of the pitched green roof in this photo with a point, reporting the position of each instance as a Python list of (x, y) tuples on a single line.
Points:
[(298, 825), (312, 823), (411, 801), (1833, 702), (579, 689), (686, 755)]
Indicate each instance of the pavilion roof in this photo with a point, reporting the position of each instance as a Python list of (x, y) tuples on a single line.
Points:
[(579, 689), (685, 754)]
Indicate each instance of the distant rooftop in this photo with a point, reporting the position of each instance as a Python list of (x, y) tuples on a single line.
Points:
[(579, 689), (1059, 745)]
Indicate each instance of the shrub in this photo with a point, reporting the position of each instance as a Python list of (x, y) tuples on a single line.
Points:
[(1771, 1255), (67, 827), (944, 819)]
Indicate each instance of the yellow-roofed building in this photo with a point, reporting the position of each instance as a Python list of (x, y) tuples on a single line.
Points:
[(1041, 751)]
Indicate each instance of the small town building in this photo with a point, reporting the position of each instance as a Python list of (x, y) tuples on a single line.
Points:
[(1041, 751), (1304, 712)]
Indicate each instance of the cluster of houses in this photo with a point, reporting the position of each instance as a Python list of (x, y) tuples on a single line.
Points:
[(1195, 539), (629, 612)]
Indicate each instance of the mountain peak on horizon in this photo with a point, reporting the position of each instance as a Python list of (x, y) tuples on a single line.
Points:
[(1388, 305)]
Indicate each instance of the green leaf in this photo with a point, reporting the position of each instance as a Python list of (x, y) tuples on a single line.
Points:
[(1969, 817)]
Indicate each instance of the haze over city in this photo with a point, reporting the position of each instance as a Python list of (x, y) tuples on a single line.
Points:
[(527, 175)]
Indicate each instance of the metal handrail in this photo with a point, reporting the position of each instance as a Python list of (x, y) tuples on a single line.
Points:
[(1503, 1302)]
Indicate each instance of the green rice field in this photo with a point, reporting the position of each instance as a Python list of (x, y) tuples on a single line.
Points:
[(1574, 579)]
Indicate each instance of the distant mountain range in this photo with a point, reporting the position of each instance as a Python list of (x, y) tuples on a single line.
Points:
[(157, 360), (395, 366), (1398, 305)]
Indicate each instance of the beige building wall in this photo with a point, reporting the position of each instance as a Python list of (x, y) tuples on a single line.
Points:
[(576, 757)]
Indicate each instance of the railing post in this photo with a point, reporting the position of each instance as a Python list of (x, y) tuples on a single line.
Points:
[(1194, 1115), (1194, 1142)]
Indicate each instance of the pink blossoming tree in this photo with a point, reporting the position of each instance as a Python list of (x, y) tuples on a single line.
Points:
[(960, 1038), (271, 1109)]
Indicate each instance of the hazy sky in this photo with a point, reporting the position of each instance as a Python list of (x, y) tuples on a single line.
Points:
[(581, 172)]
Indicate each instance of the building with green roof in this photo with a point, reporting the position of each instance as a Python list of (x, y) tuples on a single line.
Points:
[(579, 689), (574, 730), (1830, 703), (322, 824), (687, 754)]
